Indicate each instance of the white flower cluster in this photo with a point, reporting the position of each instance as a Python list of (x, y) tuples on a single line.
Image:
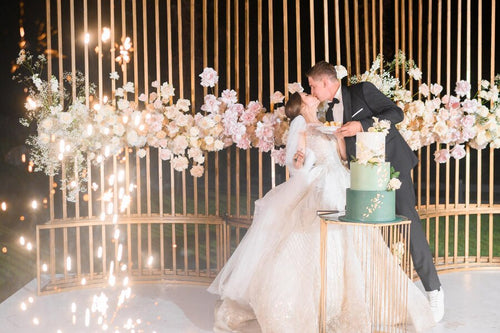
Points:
[(78, 133), (381, 126)]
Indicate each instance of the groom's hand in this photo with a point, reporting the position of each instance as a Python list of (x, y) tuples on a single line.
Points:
[(350, 128)]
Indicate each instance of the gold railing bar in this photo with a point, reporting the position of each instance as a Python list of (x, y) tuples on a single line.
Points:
[(149, 245), (347, 37), (207, 249), (138, 182), (184, 228), (298, 45), (115, 186), (136, 61), (337, 32), (216, 41), (206, 175), (52, 261), (367, 39), (124, 34), (162, 250), (236, 43), (197, 250), (72, 46), (179, 49), (403, 39), (38, 262), (169, 43), (192, 55), (381, 26), (172, 190), (217, 185), (139, 249), (285, 47), (325, 30), (64, 191), (237, 174), (312, 34), (65, 251), (112, 43), (77, 195), (130, 263), (356, 36), (374, 29), (78, 252), (184, 193), (127, 177), (174, 250), (228, 181), (249, 184), (160, 185), (91, 251), (103, 245), (148, 181), (429, 43)]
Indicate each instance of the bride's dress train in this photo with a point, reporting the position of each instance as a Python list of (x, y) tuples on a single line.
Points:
[(274, 274)]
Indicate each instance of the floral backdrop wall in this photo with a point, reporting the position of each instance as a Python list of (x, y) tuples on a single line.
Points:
[(70, 131)]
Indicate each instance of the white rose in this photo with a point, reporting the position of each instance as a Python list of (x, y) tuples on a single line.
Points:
[(341, 72), (394, 184), (295, 87)]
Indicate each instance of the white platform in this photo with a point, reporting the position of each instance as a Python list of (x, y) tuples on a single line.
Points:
[(472, 301)]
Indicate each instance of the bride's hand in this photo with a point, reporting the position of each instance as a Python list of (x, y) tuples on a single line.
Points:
[(298, 159)]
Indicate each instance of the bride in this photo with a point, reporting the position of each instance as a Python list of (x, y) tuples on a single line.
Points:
[(273, 276)]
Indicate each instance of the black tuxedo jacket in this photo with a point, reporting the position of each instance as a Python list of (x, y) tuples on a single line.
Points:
[(363, 101)]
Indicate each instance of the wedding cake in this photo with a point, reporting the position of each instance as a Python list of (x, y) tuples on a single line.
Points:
[(371, 197)]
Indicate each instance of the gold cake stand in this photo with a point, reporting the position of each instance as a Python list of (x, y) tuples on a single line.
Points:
[(382, 249)]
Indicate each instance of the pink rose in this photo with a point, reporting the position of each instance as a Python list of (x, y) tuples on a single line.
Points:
[(279, 156), (165, 154), (468, 121), (277, 97), (462, 88), (197, 171), (229, 97), (209, 77), (243, 142), (442, 155), (211, 104), (458, 152), (248, 117), (424, 90)]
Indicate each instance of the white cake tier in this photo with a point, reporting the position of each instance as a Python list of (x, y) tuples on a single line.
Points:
[(370, 147)]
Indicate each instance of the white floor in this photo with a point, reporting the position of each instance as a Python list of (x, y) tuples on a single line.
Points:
[(472, 301)]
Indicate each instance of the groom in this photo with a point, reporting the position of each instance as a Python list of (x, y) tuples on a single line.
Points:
[(354, 106)]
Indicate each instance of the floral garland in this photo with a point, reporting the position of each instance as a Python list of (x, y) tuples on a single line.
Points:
[(431, 118), (70, 131)]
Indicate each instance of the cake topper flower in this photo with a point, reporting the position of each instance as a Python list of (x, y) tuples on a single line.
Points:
[(381, 126)]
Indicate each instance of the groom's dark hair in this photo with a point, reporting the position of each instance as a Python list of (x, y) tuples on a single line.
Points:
[(322, 68), (292, 107)]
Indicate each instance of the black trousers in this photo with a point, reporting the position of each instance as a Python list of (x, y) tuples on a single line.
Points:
[(419, 248)]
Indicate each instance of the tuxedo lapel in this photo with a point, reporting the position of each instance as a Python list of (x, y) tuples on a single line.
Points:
[(346, 100)]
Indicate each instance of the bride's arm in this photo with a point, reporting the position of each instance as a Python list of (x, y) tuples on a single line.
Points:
[(341, 148), (298, 157)]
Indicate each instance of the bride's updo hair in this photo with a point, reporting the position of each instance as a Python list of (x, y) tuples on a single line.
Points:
[(292, 107)]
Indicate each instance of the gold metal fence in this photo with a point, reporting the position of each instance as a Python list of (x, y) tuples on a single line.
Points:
[(258, 47)]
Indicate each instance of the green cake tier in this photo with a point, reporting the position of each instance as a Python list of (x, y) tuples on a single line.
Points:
[(370, 206), (370, 177)]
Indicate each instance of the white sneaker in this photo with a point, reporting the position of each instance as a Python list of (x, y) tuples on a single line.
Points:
[(436, 300)]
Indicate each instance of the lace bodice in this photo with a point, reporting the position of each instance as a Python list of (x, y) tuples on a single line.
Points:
[(324, 146)]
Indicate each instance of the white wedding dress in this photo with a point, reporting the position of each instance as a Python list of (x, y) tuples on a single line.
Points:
[(274, 274)]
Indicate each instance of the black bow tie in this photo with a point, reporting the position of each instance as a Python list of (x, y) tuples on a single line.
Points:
[(329, 111)]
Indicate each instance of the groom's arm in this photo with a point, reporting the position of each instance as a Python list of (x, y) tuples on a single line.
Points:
[(380, 105)]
